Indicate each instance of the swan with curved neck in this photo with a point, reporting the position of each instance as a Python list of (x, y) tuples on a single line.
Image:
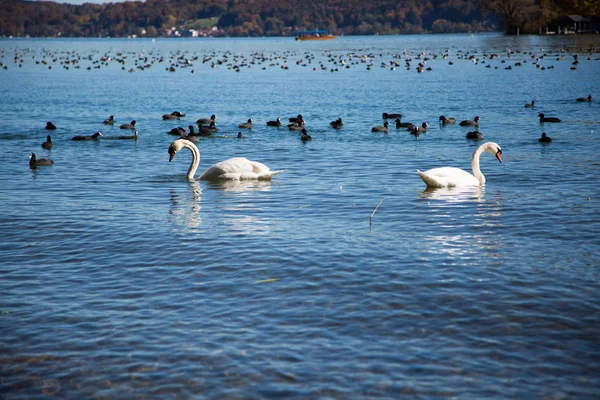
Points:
[(238, 168), (451, 177)]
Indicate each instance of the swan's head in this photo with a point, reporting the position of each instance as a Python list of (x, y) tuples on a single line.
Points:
[(495, 149), (174, 148)]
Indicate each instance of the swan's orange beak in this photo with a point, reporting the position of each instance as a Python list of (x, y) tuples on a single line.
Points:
[(499, 155), (171, 154)]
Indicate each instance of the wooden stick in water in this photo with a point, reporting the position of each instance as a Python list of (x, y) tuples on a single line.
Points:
[(374, 211)]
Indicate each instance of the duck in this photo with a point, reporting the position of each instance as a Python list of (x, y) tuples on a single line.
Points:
[(110, 120), (39, 162), (95, 136), (456, 177), (239, 135), (246, 125), (548, 119), (383, 128), (421, 129), (206, 121), (129, 126), (337, 124), (391, 115), (173, 115), (296, 119), (400, 124), (474, 135), (446, 121), (191, 138), (468, 122), (297, 125), (50, 126), (545, 138), (530, 105), (132, 137), (178, 131), (207, 130), (305, 136), (276, 123), (238, 168), (587, 99), (48, 143)]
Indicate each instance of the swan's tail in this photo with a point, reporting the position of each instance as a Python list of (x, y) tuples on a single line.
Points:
[(271, 174), (429, 181)]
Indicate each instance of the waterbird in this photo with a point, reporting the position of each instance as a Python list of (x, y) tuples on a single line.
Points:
[(337, 124), (35, 162), (110, 120), (447, 121), (380, 128), (468, 122), (50, 126), (305, 136), (548, 119), (400, 124), (246, 125), (129, 126), (451, 176), (173, 115), (276, 123), (474, 135), (545, 138), (206, 121), (238, 168), (48, 143), (95, 136)]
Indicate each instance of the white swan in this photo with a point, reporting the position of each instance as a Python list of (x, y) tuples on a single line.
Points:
[(450, 176), (238, 168)]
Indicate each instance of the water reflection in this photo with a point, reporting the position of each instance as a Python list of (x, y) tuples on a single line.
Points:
[(185, 209), (465, 223), (240, 186), (454, 194)]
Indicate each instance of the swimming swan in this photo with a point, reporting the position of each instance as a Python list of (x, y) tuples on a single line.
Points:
[(238, 168), (450, 176)]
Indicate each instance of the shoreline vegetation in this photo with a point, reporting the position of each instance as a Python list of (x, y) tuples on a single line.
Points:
[(233, 18)]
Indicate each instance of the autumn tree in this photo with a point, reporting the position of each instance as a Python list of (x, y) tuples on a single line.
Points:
[(514, 13)]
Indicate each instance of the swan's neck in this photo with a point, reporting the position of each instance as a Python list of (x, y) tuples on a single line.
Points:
[(195, 159), (475, 165)]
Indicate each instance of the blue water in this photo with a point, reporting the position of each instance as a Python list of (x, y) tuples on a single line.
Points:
[(121, 279)]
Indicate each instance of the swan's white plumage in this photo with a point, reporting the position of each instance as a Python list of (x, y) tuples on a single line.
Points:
[(238, 168), (456, 177)]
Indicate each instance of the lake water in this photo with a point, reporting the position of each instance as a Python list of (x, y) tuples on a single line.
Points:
[(121, 279)]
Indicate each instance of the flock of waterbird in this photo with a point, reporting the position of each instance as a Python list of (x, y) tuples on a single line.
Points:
[(243, 169), (333, 61)]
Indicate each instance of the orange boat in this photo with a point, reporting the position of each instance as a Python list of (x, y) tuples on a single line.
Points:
[(314, 35)]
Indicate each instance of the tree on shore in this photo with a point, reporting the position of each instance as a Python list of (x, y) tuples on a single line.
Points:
[(514, 14)]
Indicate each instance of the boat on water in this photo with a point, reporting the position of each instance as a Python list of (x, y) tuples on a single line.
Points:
[(314, 35)]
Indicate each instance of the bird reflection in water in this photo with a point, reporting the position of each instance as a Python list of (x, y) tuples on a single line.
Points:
[(467, 222), (454, 194), (185, 209)]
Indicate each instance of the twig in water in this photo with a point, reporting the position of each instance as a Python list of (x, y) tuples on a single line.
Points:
[(374, 211)]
